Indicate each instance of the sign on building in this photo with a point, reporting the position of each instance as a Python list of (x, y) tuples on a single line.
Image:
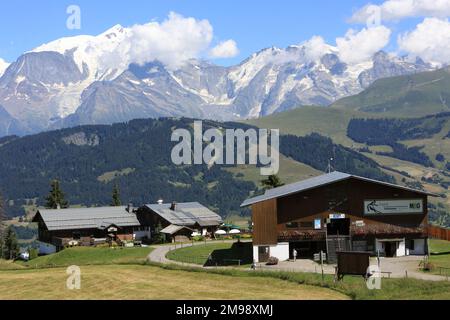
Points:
[(379, 207), (337, 216), (318, 224)]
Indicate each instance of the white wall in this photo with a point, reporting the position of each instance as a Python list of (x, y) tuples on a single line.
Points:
[(255, 254), (279, 251), (401, 249), (419, 247)]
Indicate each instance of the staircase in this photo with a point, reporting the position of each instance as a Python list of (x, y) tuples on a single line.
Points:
[(337, 243)]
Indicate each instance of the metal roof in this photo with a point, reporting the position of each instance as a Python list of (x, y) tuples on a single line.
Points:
[(186, 214), (319, 181), (173, 229), (87, 218)]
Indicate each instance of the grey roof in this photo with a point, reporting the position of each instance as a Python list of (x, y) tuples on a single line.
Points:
[(88, 218), (315, 182), (173, 229), (186, 214)]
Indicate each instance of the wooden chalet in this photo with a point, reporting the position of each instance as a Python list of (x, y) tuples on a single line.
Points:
[(87, 226), (180, 220), (339, 211)]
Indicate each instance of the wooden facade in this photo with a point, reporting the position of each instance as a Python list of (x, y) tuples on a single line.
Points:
[(264, 216), (306, 215)]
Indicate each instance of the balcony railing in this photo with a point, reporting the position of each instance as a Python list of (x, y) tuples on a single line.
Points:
[(298, 235), (367, 230), (388, 229)]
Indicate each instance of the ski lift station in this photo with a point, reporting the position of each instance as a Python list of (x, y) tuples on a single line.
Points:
[(339, 212)]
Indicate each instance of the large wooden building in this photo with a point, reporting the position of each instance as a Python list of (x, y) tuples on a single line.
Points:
[(339, 211)]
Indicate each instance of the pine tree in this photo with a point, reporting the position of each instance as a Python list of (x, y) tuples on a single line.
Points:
[(116, 197), (271, 182), (56, 197), (10, 244)]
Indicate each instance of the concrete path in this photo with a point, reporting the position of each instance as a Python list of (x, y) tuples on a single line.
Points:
[(402, 267), (399, 267), (159, 252)]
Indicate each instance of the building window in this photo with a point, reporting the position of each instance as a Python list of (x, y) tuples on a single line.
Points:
[(292, 225), (307, 224)]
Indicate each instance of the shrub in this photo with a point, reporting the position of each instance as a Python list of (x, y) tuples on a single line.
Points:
[(440, 157), (272, 261), (34, 253), (198, 238)]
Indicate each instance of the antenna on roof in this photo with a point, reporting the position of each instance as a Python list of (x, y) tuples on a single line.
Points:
[(330, 168)]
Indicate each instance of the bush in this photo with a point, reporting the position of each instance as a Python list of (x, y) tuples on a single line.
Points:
[(198, 238), (33, 252), (272, 261), (440, 157)]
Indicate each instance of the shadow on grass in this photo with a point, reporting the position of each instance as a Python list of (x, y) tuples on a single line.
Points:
[(240, 253), (440, 253)]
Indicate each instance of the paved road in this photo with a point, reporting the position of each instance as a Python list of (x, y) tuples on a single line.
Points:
[(397, 266), (159, 253)]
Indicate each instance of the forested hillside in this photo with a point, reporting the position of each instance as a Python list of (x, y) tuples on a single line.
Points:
[(389, 132), (90, 160)]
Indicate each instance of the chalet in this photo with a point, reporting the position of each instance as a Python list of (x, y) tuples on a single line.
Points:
[(179, 220), (339, 211), (88, 226)]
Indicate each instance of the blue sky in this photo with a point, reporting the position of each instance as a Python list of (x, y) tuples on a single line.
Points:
[(252, 24)]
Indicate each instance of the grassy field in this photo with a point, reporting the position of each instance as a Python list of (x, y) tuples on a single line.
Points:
[(354, 287), (440, 256), (120, 274), (90, 256), (290, 171), (146, 282), (221, 253)]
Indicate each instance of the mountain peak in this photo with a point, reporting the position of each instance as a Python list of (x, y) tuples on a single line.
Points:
[(113, 32), (3, 66)]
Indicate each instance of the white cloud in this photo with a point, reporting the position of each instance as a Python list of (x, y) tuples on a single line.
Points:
[(399, 9), (172, 42), (3, 66), (225, 49), (360, 46), (430, 41), (315, 48)]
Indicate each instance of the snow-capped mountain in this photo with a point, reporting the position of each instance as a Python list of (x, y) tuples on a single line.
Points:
[(3, 66), (102, 54), (90, 79)]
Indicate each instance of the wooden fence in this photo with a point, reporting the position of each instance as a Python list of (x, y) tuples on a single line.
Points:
[(439, 233)]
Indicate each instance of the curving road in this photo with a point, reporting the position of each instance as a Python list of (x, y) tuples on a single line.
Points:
[(395, 265)]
